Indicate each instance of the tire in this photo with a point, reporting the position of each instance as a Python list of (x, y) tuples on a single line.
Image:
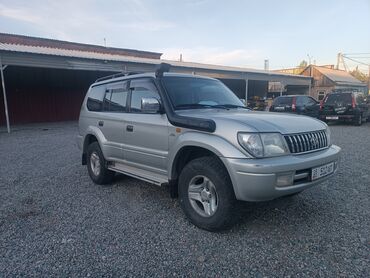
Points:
[(212, 205), (358, 120), (96, 165)]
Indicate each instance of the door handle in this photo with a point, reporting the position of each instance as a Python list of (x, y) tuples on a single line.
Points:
[(130, 128), (101, 123)]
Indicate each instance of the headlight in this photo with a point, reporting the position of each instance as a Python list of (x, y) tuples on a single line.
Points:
[(328, 135), (263, 144)]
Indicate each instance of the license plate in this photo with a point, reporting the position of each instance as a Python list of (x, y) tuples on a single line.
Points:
[(322, 171), (332, 117), (280, 108)]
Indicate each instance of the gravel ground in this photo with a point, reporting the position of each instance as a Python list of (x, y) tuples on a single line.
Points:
[(55, 222)]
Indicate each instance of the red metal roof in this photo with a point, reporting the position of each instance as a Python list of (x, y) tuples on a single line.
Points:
[(58, 44)]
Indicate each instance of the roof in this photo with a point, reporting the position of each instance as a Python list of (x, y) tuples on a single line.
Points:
[(12, 39), (340, 77), (49, 54)]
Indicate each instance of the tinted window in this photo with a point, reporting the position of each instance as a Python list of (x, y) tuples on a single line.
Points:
[(95, 98), (340, 99), (301, 101), (118, 99), (193, 92), (115, 97), (360, 99), (141, 88), (106, 101), (282, 101), (311, 101)]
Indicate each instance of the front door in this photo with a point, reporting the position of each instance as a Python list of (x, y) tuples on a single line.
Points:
[(146, 134)]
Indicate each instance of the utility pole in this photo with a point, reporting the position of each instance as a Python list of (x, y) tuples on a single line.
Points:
[(339, 55), (368, 82)]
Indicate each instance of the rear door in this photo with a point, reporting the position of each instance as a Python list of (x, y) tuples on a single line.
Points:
[(310, 107), (146, 135), (337, 104), (112, 124)]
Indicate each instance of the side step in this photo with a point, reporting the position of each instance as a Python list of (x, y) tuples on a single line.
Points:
[(141, 174)]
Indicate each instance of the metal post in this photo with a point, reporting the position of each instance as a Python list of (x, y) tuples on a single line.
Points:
[(4, 94), (246, 92), (281, 88)]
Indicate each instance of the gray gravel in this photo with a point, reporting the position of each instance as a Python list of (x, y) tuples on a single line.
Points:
[(55, 222)]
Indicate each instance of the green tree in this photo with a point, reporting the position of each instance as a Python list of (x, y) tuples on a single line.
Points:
[(303, 64), (356, 73)]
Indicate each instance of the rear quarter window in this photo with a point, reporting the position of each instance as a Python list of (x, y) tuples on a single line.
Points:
[(95, 98)]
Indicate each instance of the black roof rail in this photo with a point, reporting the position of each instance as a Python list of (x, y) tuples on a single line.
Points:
[(118, 75)]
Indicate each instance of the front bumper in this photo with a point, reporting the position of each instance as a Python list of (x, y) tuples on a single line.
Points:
[(256, 179)]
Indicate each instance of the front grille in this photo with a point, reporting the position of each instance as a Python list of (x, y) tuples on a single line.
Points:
[(306, 142)]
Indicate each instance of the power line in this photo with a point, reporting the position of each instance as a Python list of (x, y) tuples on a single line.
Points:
[(354, 60)]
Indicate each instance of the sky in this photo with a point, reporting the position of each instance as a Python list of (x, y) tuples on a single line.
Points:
[(235, 33)]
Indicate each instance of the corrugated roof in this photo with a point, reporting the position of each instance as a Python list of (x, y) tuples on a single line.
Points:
[(66, 45), (120, 58), (340, 77)]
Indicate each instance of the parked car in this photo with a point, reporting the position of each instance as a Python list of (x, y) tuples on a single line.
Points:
[(345, 106), (303, 105), (193, 134)]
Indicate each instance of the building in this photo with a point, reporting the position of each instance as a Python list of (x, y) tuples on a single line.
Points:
[(327, 79), (46, 80)]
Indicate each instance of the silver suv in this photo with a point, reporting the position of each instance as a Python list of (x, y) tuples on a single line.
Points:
[(193, 134)]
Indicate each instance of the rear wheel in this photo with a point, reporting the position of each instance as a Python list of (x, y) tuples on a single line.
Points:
[(96, 165), (206, 194), (358, 120)]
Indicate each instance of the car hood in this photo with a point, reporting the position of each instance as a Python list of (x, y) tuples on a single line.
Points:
[(256, 120)]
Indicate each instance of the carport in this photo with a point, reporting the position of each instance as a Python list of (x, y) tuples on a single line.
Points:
[(43, 83)]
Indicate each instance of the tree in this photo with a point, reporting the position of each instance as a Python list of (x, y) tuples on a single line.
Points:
[(303, 64), (356, 73)]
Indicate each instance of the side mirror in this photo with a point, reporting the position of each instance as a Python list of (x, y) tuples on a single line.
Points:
[(150, 105)]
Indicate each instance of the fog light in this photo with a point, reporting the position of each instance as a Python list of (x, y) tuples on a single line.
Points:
[(285, 179)]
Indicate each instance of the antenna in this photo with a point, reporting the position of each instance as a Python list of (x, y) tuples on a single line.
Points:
[(105, 42)]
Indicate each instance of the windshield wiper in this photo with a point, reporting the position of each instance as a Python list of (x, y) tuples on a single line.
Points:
[(227, 106), (199, 105), (192, 106)]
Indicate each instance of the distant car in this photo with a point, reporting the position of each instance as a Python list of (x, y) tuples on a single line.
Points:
[(304, 105), (345, 106)]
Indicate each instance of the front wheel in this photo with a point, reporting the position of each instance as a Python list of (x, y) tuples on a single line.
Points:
[(206, 194)]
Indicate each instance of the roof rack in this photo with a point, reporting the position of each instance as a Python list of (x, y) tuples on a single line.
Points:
[(118, 75), (159, 70)]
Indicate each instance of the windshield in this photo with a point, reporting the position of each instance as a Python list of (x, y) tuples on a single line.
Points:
[(193, 93), (283, 101)]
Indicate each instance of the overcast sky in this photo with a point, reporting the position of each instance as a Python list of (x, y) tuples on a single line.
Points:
[(236, 33)]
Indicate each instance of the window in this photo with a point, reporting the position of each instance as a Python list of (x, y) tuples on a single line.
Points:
[(115, 98), (311, 101), (301, 101), (359, 98), (321, 95), (283, 101), (95, 98), (141, 88)]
